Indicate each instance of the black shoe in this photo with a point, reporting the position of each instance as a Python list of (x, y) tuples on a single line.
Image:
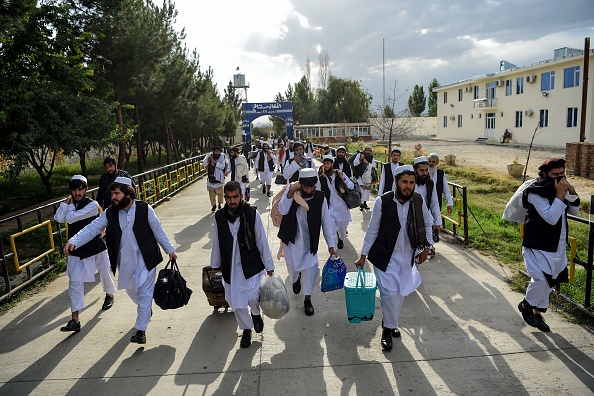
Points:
[(72, 325), (139, 337), (297, 285), (108, 303), (246, 339), (263, 190), (395, 332), (340, 244), (542, 325), (308, 307), (214, 207), (528, 313), (432, 252), (365, 206), (361, 208), (387, 339), (269, 194), (258, 323)]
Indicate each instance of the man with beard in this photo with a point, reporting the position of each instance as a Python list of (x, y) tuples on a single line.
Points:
[(309, 148), (341, 162), (300, 233), (280, 157), (548, 200), (216, 165), (111, 172), (333, 184), (245, 150), (298, 162), (133, 247), (365, 160), (240, 249), (238, 168), (441, 182), (388, 171), (326, 150), (396, 241), (290, 152), (264, 163), (426, 188), (78, 210)]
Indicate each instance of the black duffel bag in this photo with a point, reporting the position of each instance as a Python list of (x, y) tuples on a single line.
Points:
[(171, 291), (280, 179)]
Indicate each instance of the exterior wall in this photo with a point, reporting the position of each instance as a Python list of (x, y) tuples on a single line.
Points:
[(559, 99), (426, 126)]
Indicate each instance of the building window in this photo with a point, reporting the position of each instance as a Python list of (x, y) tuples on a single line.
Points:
[(445, 121), (571, 117), (544, 119), (508, 87), (571, 77), (519, 85), (519, 116), (445, 97), (548, 81), (460, 95), (476, 92), (459, 120)]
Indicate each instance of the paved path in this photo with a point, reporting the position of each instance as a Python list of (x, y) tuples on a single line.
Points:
[(461, 334)]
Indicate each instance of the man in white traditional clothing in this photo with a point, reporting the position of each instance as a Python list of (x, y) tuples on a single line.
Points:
[(300, 233), (548, 200), (265, 163), (426, 188), (341, 162), (396, 241), (298, 162), (77, 211), (309, 148), (238, 169), (290, 152), (386, 183), (441, 181), (216, 167), (240, 248), (366, 163), (133, 247), (333, 183)]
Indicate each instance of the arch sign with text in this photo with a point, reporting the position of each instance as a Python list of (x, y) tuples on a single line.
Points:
[(251, 111)]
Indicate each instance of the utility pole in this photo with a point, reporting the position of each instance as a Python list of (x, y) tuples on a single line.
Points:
[(585, 89)]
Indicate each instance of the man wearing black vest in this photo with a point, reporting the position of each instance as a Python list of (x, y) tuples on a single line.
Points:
[(298, 162), (396, 241), (326, 150), (265, 163), (78, 210), (135, 234), (111, 172), (426, 188), (300, 233), (440, 180), (387, 178), (548, 201), (240, 248), (341, 162)]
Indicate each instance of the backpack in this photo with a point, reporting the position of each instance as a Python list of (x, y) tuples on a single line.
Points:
[(359, 169), (275, 215)]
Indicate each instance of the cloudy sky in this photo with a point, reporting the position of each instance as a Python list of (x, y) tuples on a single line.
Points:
[(270, 40)]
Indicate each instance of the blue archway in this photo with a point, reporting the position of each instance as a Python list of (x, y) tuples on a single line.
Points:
[(251, 111)]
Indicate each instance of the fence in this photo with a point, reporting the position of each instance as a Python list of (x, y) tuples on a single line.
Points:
[(36, 233)]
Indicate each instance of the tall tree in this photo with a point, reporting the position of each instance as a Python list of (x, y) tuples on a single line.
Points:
[(416, 101), (432, 98), (324, 69)]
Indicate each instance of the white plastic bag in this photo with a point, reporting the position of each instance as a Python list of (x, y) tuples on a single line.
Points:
[(514, 210), (274, 299)]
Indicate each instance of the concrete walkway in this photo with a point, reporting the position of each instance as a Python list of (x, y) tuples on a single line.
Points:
[(461, 334)]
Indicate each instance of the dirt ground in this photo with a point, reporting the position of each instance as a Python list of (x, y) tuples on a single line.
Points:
[(496, 157)]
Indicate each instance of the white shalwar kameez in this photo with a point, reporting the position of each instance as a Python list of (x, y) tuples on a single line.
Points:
[(294, 167), (297, 255), (539, 261), (338, 208), (134, 276), (382, 182), (446, 188), (366, 187), (433, 206), (219, 172), (83, 270), (243, 293), (400, 278), (265, 175)]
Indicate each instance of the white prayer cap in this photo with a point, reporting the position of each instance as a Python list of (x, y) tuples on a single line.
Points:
[(342, 148), (291, 141), (403, 168), (420, 159), (395, 148), (80, 177), (367, 147), (328, 158), (307, 173), (434, 154), (123, 180)]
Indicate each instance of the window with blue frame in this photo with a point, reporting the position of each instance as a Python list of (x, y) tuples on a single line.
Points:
[(508, 87), (519, 116), (459, 121), (519, 85), (544, 118), (571, 77), (547, 81), (445, 121), (445, 97), (571, 117)]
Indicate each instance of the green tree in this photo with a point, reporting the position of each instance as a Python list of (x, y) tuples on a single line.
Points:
[(416, 101), (432, 98)]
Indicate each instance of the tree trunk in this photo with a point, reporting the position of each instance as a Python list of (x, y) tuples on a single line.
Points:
[(168, 147), (122, 143), (139, 150), (83, 162), (39, 167), (175, 148)]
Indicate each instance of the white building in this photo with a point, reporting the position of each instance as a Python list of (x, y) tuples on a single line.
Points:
[(547, 94)]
